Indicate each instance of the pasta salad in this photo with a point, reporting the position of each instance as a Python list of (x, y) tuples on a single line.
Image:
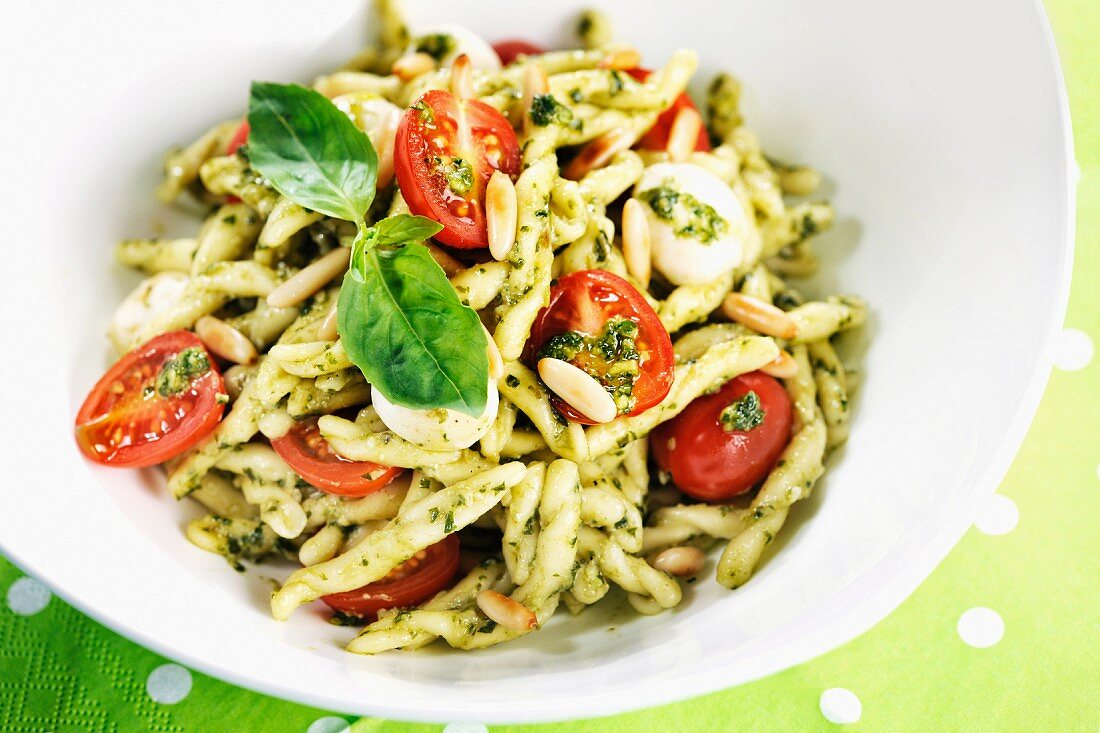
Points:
[(475, 332)]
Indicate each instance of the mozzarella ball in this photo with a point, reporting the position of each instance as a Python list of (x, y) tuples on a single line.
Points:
[(699, 228), (153, 296), (379, 119), (447, 41), (437, 429)]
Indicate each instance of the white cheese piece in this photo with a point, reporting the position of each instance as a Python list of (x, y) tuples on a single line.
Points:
[(438, 429), (153, 296), (464, 41), (685, 257)]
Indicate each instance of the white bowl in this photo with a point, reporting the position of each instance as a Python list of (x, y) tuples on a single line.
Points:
[(942, 127)]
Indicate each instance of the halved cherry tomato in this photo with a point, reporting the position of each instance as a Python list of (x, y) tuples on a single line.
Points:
[(156, 402), (657, 137), (240, 137), (512, 49), (445, 152), (312, 458), (708, 461), (417, 579), (584, 302)]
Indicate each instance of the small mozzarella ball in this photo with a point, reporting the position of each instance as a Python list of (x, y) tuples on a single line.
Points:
[(684, 258), (438, 429), (379, 119), (462, 41), (153, 296)]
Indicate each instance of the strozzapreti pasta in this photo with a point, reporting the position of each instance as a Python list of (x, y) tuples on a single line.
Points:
[(475, 334)]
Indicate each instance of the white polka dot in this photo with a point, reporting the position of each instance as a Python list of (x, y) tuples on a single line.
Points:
[(1098, 470), (1073, 350), (168, 684), (329, 724), (998, 516), (27, 596), (840, 705), (981, 627), (465, 728)]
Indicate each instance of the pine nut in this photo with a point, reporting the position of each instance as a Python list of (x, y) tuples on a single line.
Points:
[(225, 341), (412, 65), (683, 134), (508, 613), (598, 152), (621, 59), (462, 78), (682, 562), (758, 315), (235, 378), (799, 181), (579, 389), (310, 279), (782, 367), (496, 361), (636, 242), (501, 213), (534, 84), (327, 330)]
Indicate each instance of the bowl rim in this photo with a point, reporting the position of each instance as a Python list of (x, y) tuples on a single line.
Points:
[(826, 637)]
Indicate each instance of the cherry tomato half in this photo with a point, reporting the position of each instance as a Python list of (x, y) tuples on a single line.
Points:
[(512, 49), (713, 463), (417, 579), (240, 137), (156, 402), (657, 137), (584, 302), (445, 152), (313, 459)]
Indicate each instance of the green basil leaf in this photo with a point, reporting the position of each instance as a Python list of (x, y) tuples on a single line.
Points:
[(403, 228), (406, 329), (310, 151)]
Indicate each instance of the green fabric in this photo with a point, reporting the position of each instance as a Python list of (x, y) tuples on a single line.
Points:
[(61, 672)]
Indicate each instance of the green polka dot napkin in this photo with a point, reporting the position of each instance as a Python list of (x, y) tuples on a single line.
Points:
[(1003, 636)]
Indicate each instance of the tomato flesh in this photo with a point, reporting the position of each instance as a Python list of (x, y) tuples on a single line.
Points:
[(710, 463), (584, 302), (131, 419), (657, 136), (240, 137), (312, 458), (415, 580), (513, 48), (445, 151)]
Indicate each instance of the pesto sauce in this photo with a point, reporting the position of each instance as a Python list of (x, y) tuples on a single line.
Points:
[(176, 374), (689, 216), (546, 110), (744, 414), (458, 173), (436, 45), (611, 357)]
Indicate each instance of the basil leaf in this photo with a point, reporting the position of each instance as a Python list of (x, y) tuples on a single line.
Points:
[(404, 228), (405, 328), (310, 151)]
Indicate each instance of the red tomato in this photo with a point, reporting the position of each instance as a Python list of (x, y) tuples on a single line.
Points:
[(313, 459), (445, 151), (712, 464), (657, 137), (510, 50), (152, 405), (585, 301), (240, 137), (417, 579)]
